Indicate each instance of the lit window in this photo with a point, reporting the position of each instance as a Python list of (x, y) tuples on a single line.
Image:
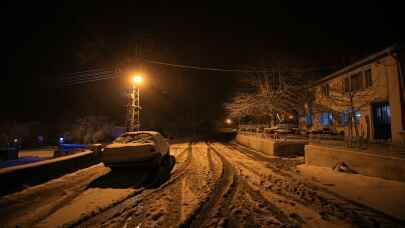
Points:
[(325, 118), (308, 119), (345, 117)]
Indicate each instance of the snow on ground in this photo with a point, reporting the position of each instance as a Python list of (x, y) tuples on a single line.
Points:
[(378, 193), (177, 202), (26, 207), (209, 185), (201, 179), (277, 209), (85, 204), (294, 200), (176, 149)]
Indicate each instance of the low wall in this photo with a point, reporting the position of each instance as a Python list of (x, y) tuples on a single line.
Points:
[(278, 148), (363, 163), (15, 178)]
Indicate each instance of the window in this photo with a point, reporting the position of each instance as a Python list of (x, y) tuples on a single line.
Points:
[(368, 80), (325, 118), (308, 119), (345, 117), (325, 90), (346, 85), (356, 81)]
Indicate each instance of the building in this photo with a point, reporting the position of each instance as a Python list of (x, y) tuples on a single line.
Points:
[(370, 90)]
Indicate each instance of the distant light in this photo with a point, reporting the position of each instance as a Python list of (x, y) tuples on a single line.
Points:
[(291, 117), (61, 140), (228, 121), (15, 140), (137, 79)]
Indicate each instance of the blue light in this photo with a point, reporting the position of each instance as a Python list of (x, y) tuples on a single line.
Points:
[(308, 119), (345, 117), (61, 140), (325, 118)]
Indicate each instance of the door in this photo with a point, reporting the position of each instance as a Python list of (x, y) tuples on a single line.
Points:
[(382, 120)]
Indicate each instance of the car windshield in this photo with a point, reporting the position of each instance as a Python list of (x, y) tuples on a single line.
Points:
[(134, 138)]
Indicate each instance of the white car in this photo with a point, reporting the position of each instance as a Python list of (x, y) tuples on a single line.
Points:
[(136, 148)]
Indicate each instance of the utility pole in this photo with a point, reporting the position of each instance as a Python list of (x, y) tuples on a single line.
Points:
[(134, 107), (133, 116)]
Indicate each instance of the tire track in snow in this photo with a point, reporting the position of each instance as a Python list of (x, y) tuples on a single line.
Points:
[(253, 200), (326, 202), (220, 196), (138, 214), (122, 211)]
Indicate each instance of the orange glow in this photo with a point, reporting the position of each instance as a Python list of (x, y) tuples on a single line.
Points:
[(137, 79), (228, 121)]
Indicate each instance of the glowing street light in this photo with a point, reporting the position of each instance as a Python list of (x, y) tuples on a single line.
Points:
[(137, 79), (228, 121)]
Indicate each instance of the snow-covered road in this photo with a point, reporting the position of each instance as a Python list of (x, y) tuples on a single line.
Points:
[(205, 185)]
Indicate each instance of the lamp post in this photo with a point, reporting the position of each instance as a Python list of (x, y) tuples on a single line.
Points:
[(134, 107)]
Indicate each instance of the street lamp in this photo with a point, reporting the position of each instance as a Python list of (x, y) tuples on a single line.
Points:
[(134, 107), (137, 79), (228, 121)]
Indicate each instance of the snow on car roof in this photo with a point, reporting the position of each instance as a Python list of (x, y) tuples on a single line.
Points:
[(138, 132)]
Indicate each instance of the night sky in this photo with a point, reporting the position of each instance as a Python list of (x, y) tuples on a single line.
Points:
[(45, 41)]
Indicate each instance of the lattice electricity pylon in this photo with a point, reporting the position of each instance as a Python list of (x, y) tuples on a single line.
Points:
[(133, 114)]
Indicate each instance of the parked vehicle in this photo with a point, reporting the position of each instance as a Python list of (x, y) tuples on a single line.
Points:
[(140, 148), (325, 130), (285, 128)]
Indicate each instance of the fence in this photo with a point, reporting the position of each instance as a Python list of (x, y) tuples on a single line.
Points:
[(324, 139), (275, 136)]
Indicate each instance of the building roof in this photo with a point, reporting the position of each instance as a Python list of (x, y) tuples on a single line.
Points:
[(358, 64)]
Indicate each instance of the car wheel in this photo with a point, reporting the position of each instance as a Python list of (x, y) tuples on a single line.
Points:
[(156, 163)]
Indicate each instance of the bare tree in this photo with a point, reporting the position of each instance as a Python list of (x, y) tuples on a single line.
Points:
[(270, 93), (91, 129)]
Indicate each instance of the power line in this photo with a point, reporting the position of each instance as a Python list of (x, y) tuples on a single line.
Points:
[(89, 80), (275, 69), (86, 77), (204, 68), (97, 74), (87, 71)]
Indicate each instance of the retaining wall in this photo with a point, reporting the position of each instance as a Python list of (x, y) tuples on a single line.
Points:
[(364, 163), (278, 148)]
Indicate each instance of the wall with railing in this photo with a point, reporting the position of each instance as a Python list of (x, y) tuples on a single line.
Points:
[(274, 137)]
